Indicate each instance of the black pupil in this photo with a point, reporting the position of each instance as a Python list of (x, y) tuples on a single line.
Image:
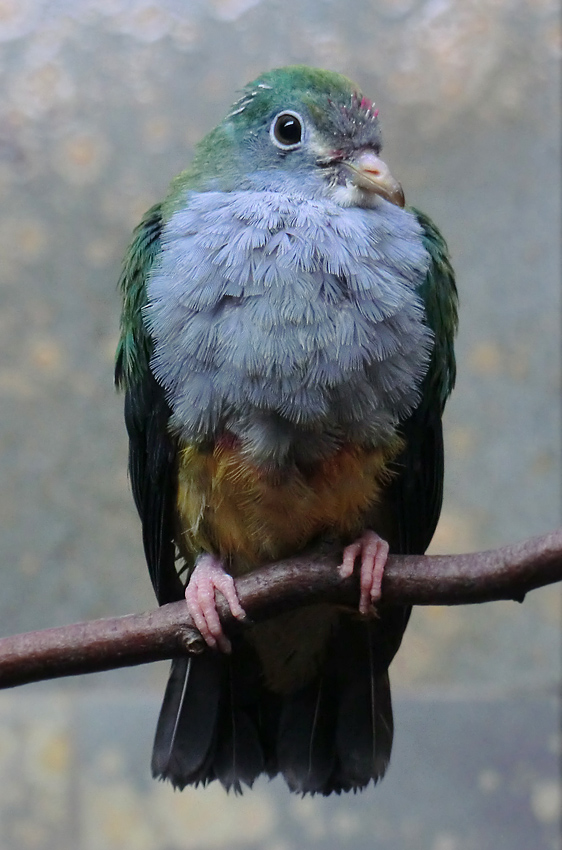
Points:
[(288, 130)]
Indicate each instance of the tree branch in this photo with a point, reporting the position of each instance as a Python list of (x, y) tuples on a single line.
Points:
[(507, 573)]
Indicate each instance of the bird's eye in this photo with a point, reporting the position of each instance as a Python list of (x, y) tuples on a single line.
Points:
[(286, 130)]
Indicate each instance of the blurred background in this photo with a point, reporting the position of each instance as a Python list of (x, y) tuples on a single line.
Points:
[(101, 102)]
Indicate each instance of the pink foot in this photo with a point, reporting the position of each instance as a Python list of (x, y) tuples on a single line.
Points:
[(209, 576), (374, 552)]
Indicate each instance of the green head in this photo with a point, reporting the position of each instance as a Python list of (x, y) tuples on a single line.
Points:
[(297, 120)]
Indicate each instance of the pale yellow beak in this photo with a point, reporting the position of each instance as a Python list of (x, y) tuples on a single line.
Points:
[(371, 174)]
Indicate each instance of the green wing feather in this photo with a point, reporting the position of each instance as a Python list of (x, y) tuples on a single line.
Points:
[(439, 293), (412, 501), (152, 449), (135, 347)]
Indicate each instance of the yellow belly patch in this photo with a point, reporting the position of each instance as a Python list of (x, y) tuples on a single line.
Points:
[(231, 507)]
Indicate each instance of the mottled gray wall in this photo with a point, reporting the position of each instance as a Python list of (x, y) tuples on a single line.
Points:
[(100, 105)]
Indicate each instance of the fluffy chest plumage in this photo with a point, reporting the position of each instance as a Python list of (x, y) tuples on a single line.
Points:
[(289, 321)]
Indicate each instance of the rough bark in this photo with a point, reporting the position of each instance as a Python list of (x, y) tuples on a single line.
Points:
[(507, 573)]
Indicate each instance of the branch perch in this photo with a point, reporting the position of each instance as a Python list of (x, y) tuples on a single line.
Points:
[(506, 573)]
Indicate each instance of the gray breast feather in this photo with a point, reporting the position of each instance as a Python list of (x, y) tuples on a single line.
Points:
[(293, 322)]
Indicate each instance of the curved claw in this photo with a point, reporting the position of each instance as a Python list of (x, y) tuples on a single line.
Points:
[(209, 576), (374, 553)]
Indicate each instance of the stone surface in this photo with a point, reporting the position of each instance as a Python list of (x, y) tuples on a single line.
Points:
[(466, 774), (100, 105)]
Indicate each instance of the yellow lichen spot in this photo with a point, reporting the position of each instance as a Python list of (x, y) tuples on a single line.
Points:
[(546, 801), (117, 815), (30, 835), (346, 824), (397, 7), (100, 252), (29, 564), (553, 38), (125, 205), (189, 820), (454, 534), (213, 84), (16, 384), (32, 239), (109, 761), (519, 363), (81, 156), (156, 133), (327, 48), (46, 356), (8, 746), (107, 346), (41, 88), (554, 744), (107, 7), (55, 754), (445, 841), (443, 623), (413, 664), (548, 605), (543, 463), (16, 18), (230, 10), (22, 239), (485, 358), (82, 383), (185, 34), (305, 811), (460, 440), (489, 781), (146, 23)]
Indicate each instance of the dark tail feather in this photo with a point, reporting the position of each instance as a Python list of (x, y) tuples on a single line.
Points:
[(305, 748), (364, 725), (239, 757), (185, 738), (333, 735), (364, 733), (336, 733)]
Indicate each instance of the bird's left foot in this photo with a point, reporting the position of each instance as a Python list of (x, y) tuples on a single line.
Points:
[(374, 552)]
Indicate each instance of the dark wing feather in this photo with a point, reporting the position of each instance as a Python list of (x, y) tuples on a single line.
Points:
[(152, 471), (407, 518), (187, 727), (413, 498), (412, 502), (151, 447), (193, 742)]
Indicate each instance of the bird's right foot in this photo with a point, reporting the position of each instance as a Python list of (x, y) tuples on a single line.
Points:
[(209, 576)]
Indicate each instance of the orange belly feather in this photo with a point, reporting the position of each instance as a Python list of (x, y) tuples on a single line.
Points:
[(229, 506)]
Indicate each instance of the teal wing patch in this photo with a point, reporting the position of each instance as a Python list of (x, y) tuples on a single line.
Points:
[(134, 348), (439, 293)]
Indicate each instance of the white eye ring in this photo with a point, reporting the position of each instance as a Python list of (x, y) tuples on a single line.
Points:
[(291, 121)]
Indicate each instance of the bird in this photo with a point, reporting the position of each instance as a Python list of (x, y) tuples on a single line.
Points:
[(286, 351)]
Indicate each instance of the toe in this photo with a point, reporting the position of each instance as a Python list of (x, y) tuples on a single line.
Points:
[(228, 589), (195, 610), (366, 582), (200, 594), (373, 551), (379, 564), (350, 553)]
